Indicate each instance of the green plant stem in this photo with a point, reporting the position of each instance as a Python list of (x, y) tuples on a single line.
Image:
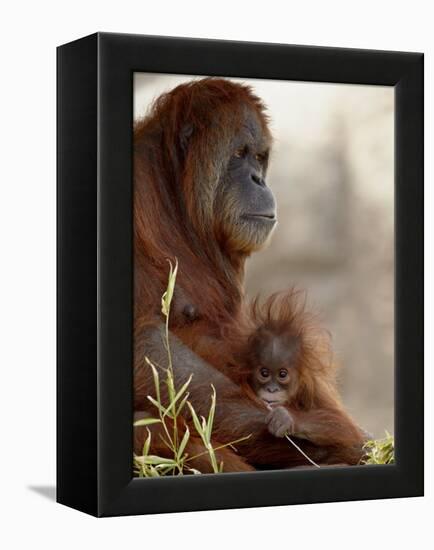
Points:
[(302, 452), (172, 383)]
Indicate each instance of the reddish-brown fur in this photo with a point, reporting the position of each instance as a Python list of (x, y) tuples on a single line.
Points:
[(173, 218), (315, 395), (173, 204), (173, 195)]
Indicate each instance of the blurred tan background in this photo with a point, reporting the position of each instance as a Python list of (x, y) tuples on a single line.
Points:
[(332, 175)]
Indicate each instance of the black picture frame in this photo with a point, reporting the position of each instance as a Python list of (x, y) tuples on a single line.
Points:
[(94, 372)]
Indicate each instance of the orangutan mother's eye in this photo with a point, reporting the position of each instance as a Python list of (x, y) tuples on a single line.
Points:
[(241, 152)]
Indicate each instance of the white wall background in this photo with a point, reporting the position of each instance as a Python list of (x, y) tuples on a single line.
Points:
[(29, 33)]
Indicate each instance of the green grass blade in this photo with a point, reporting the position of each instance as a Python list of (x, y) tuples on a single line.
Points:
[(178, 395), (147, 444), (195, 418), (157, 404), (184, 442), (170, 383), (156, 379), (154, 459), (146, 422), (211, 414), (183, 402), (166, 299)]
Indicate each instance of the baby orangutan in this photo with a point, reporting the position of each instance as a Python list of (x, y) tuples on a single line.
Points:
[(274, 376), (286, 360), (281, 357)]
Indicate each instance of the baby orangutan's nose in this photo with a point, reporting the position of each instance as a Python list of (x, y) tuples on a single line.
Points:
[(272, 389)]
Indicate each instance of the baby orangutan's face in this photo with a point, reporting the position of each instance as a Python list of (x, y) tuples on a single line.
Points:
[(274, 375), (271, 384)]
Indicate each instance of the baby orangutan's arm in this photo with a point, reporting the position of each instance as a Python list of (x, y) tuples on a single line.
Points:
[(319, 426)]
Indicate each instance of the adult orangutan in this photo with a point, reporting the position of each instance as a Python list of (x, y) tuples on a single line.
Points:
[(200, 161)]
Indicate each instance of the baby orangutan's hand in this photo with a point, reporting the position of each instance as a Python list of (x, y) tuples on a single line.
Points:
[(280, 422)]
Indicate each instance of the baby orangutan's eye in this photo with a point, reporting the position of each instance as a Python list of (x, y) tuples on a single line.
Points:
[(264, 373), (283, 373)]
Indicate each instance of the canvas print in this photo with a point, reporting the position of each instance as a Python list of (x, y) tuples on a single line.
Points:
[(263, 275)]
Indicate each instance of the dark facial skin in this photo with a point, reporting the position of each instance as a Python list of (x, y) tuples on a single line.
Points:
[(247, 204), (270, 384), (274, 375)]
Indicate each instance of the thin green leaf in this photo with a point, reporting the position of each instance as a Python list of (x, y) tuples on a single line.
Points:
[(179, 394), (183, 402), (204, 432), (166, 299), (147, 444), (195, 418), (154, 459), (146, 422), (157, 404), (194, 471), (184, 442), (202, 429), (211, 414), (156, 379), (170, 383), (153, 472), (164, 309)]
